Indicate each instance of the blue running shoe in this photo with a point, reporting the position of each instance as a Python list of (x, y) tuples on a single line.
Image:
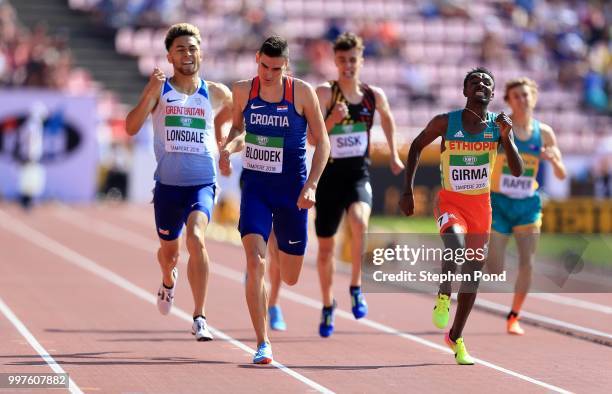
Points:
[(326, 328), (263, 355), (358, 303), (277, 322)]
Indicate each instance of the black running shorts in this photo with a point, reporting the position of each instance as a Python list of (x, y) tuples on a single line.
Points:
[(335, 194)]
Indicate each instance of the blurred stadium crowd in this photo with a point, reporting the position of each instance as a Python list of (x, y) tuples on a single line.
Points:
[(33, 57), (418, 51)]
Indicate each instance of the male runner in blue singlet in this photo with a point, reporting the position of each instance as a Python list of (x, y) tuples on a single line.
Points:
[(271, 114)]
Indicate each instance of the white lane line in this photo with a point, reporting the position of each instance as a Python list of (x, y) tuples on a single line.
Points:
[(576, 302), (135, 216), (69, 255), (136, 240), (554, 298), (23, 330), (541, 319), (316, 304), (119, 234)]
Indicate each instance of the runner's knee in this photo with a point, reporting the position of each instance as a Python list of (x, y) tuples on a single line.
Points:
[(194, 241), (494, 262), (471, 283), (453, 237), (359, 225), (525, 258), (290, 279), (358, 216), (525, 265), (256, 262), (168, 256), (326, 251)]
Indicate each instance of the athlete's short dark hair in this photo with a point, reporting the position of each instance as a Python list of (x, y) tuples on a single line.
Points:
[(275, 46), (478, 70), (347, 41), (181, 29)]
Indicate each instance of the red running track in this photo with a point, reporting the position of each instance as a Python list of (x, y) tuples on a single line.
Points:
[(82, 280)]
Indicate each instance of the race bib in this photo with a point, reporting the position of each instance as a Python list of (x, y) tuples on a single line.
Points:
[(348, 140), (185, 134), (469, 172), (263, 153), (517, 187)]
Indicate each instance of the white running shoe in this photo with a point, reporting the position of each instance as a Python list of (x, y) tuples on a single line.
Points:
[(200, 330), (165, 297)]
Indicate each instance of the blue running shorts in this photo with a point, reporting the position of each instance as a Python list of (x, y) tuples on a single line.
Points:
[(264, 202), (173, 204)]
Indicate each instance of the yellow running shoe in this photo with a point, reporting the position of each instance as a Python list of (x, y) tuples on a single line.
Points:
[(441, 311), (513, 326), (462, 357)]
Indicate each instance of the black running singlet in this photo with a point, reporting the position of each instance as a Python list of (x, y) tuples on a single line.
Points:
[(350, 138)]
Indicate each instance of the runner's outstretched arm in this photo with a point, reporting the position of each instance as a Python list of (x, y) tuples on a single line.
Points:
[(433, 130), (318, 133), (337, 113), (388, 125), (515, 161), (148, 101), (314, 118), (551, 151), (235, 138), (222, 105)]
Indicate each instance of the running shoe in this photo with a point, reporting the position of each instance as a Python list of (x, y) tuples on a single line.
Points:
[(277, 322), (462, 357), (165, 296), (358, 303), (263, 355), (200, 330), (441, 311), (326, 328), (513, 326)]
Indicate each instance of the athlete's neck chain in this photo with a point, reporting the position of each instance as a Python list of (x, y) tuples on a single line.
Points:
[(478, 116)]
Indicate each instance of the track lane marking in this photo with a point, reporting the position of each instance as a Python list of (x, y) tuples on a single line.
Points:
[(133, 239), (41, 240), (42, 352)]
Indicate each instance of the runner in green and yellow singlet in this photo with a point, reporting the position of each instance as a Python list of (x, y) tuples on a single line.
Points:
[(470, 139)]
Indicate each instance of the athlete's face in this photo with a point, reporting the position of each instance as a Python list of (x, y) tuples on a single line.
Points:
[(185, 56), (270, 69), (521, 99), (479, 87), (349, 63)]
